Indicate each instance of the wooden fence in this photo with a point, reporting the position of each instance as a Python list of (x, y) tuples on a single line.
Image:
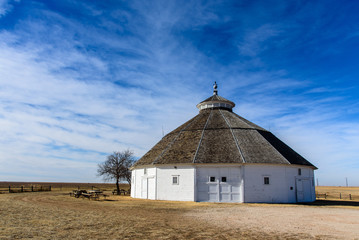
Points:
[(344, 196), (20, 189)]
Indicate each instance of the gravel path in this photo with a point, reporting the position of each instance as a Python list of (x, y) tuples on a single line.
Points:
[(317, 222)]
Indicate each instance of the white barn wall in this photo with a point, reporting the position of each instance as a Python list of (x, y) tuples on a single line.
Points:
[(138, 190), (136, 185), (218, 191), (284, 181), (183, 191), (282, 187), (133, 184), (291, 173), (256, 191)]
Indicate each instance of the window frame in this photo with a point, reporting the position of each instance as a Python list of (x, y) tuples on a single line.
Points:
[(266, 180), (175, 177), (210, 179)]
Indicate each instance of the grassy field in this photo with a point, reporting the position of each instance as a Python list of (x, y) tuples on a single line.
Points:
[(59, 186), (56, 215), (335, 193), (331, 192)]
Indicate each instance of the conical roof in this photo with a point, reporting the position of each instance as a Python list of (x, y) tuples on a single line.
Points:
[(219, 136)]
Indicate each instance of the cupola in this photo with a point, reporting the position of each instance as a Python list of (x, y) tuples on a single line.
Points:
[(216, 101)]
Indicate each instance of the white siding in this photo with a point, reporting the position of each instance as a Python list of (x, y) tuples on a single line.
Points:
[(183, 191), (282, 187), (144, 185), (245, 183), (218, 191)]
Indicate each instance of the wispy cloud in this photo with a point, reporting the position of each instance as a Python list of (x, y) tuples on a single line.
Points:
[(79, 80), (5, 7)]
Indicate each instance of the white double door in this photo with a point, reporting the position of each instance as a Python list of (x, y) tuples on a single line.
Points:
[(148, 188), (218, 184), (303, 189)]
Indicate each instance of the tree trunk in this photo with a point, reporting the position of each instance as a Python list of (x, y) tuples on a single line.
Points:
[(117, 186)]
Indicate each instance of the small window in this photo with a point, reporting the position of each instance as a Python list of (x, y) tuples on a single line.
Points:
[(299, 171), (212, 179), (224, 179), (266, 180), (175, 180), (145, 171)]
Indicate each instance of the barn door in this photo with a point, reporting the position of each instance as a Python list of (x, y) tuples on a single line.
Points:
[(144, 187), (303, 190), (300, 193), (151, 188), (218, 184)]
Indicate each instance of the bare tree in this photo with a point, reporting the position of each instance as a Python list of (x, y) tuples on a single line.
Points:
[(116, 167)]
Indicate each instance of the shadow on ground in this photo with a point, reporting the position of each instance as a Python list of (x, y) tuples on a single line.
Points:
[(332, 203)]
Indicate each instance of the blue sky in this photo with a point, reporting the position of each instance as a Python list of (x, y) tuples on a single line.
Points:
[(81, 79)]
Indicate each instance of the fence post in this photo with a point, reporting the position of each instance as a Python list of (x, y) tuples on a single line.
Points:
[(340, 195), (50, 188), (350, 196), (9, 189), (22, 188), (32, 188), (325, 195)]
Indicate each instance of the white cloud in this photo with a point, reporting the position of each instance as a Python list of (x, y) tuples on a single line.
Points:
[(87, 89), (47, 116), (5, 7), (254, 40)]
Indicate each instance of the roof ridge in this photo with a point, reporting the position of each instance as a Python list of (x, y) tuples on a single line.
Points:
[(171, 143), (245, 128), (200, 141), (234, 137), (280, 153)]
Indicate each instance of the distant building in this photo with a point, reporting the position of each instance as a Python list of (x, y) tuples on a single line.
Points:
[(218, 156)]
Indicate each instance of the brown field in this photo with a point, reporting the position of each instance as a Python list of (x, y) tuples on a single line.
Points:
[(56, 215), (61, 186), (339, 192)]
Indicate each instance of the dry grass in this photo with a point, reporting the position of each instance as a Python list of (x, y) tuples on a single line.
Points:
[(333, 190), (336, 193), (62, 186), (56, 215)]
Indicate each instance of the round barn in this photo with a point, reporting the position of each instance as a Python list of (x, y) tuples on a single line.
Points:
[(218, 156)]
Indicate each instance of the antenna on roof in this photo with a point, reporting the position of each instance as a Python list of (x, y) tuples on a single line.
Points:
[(215, 91)]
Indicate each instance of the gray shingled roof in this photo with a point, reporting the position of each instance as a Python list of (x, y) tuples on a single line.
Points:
[(216, 98), (218, 135)]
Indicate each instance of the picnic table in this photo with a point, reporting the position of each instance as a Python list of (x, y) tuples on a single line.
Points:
[(77, 193), (90, 194)]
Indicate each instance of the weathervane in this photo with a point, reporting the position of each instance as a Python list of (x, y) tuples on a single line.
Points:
[(215, 91)]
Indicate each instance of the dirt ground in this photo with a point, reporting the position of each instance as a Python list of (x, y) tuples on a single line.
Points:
[(56, 215)]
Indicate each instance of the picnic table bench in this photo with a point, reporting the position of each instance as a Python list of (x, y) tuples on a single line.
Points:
[(90, 196), (122, 191)]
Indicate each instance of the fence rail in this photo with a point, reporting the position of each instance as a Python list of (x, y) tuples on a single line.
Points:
[(20, 189), (344, 196)]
